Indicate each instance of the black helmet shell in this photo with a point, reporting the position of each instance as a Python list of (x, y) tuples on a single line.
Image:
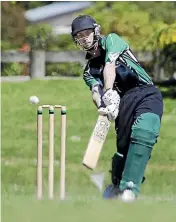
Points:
[(81, 23)]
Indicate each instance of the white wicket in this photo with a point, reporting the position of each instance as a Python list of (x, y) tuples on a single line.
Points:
[(39, 153), (51, 151)]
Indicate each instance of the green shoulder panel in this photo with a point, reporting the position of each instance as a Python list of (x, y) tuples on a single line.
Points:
[(113, 45)]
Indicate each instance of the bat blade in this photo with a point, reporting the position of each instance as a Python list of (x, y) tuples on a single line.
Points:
[(96, 142)]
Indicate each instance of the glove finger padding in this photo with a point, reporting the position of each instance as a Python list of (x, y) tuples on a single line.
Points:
[(110, 111), (113, 111), (103, 111), (111, 97), (112, 101)]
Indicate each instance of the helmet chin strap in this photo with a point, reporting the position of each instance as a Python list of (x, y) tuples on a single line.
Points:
[(93, 48), (94, 51)]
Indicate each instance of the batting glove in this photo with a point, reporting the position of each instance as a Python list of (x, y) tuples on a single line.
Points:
[(111, 97), (110, 111)]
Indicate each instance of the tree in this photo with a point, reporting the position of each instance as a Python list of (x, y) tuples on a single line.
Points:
[(134, 21), (159, 11), (13, 24)]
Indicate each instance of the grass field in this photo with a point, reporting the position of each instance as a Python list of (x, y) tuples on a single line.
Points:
[(83, 202)]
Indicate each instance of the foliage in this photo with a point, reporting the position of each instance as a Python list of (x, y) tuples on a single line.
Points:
[(164, 40), (164, 35), (159, 11), (146, 26), (167, 35), (63, 69), (61, 42), (42, 37), (13, 24), (39, 36), (29, 4), (134, 21), (5, 45), (12, 69), (34, 4), (139, 23)]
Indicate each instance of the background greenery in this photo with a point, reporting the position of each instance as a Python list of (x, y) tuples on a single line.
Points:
[(144, 25), (83, 203)]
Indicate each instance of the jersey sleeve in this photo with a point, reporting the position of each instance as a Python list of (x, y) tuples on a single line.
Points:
[(88, 78), (114, 46)]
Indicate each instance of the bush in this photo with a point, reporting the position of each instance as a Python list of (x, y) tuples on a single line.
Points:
[(39, 36), (63, 69), (42, 37), (62, 42), (52, 69), (5, 45), (12, 69)]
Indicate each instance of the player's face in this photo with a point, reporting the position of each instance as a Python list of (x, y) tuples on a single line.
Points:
[(85, 38)]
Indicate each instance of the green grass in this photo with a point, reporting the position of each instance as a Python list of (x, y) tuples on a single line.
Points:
[(78, 210), (84, 201)]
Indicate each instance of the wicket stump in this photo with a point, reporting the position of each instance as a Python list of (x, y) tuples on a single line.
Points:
[(51, 151)]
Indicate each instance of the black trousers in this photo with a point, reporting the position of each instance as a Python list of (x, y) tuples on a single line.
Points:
[(136, 101)]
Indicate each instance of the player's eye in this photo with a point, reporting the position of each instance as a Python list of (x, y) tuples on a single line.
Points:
[(84, 33)]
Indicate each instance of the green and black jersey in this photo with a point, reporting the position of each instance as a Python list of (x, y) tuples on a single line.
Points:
[(129, 72)]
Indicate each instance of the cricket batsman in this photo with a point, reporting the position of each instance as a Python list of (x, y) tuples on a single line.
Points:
[(122, 90)]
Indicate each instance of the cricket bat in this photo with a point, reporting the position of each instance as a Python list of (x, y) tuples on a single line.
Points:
[(96, 142)]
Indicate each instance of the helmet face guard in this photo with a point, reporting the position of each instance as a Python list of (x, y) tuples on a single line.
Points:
[(85, 32), (86, 42)]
